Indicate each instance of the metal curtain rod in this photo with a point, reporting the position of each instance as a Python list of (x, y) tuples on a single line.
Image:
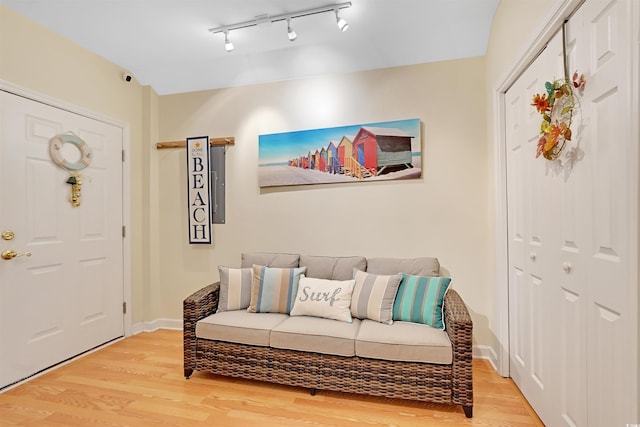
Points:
[(266, 18)]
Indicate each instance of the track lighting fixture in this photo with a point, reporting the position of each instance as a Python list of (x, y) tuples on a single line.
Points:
[(292, 34), (342, 24), (227, 43), (335, 8)]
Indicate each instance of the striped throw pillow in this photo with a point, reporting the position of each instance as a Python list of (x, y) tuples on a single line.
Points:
[(235, 288), (373, 296), (420, 300), (274, 290)]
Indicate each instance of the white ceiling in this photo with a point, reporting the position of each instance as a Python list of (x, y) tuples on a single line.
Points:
[(166, 43)]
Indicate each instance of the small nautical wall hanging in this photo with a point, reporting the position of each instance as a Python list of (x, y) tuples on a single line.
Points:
[(557, 107), (199, 190), (55, 150)]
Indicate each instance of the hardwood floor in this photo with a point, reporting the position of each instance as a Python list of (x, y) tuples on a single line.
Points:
[(139, 381)]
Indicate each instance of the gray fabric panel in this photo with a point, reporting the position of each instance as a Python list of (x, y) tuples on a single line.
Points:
[(411, 342), (242, 292), (239, 326), (333, 268), (365, 296), (315, 334), (425, 266), (270, 259), (373, 296)]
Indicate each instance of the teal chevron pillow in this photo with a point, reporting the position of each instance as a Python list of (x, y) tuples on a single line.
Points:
[(420, 299)]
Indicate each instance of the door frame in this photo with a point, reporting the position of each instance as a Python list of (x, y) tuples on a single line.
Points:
[(558, 12), (126, 178)]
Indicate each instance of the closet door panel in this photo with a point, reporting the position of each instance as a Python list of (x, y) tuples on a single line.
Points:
[(612, 311)]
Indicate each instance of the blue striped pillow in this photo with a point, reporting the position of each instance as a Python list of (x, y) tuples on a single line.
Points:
[(274, 290), (419, 300)]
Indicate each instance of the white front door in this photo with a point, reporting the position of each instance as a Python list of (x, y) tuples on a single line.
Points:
[(67, 296)]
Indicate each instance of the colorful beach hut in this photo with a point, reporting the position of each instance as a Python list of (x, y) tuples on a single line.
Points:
[(376, 149), (323, 160), (333, 163)]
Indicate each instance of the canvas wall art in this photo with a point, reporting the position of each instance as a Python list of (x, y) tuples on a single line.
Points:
[(354, 153)]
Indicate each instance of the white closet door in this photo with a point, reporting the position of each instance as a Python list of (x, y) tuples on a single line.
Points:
[(533, 227), (573, 232), (611, 157)]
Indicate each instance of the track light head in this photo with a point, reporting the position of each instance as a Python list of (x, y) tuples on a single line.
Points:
[(292, 34), (342, 24), (227, 43)]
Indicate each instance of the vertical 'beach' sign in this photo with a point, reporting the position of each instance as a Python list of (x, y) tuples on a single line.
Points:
[(198, 190)]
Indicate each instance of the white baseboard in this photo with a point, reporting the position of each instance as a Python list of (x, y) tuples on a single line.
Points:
[(488, 353), (154, 325)]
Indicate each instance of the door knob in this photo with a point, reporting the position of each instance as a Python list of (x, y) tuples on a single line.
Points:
[(13, 254), (566, 267)]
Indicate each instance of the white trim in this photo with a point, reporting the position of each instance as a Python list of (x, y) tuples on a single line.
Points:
[(126, 222), (635, 184), (154, 325), (126, 175), (486, 352), (559, 11)]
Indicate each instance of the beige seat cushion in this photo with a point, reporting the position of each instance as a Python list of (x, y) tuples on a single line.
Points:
[(239, 326), (315, 334), (410, 342)]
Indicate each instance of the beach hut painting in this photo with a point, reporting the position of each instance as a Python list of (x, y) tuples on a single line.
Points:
[(367, 152)]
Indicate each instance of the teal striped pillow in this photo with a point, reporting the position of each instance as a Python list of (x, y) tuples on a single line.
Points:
[(419, 300)]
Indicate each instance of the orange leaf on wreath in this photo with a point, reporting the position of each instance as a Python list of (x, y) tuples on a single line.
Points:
[(565, 131), (552, 139), (541, 143)]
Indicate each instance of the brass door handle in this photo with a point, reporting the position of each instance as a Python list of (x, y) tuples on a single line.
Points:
[(13, 254)]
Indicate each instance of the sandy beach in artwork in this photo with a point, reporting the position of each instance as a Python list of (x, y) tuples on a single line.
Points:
[(271, 176)]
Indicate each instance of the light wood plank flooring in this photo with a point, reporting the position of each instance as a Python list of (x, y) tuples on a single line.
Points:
[(139, 381)]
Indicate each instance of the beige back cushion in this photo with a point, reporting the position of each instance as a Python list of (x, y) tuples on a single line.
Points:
[(425, 266), (332, 268), (270, 259)]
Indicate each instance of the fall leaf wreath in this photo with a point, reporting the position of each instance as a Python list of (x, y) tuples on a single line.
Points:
[(557, 108)]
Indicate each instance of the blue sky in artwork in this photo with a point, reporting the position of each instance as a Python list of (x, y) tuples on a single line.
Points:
[(280, 147)]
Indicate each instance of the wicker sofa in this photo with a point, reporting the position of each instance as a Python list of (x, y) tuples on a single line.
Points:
[(245, 346)]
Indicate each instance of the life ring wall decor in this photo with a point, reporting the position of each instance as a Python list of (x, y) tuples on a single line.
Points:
[(55, 150)]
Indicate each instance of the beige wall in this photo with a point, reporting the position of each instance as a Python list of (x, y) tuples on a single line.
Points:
[(443, 214), (37, 59)]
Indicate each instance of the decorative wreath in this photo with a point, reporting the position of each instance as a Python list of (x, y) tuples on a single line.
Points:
[(557, 107), (55, 150)]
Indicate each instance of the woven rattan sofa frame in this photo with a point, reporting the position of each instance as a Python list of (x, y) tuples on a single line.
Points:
[(433, 383)]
